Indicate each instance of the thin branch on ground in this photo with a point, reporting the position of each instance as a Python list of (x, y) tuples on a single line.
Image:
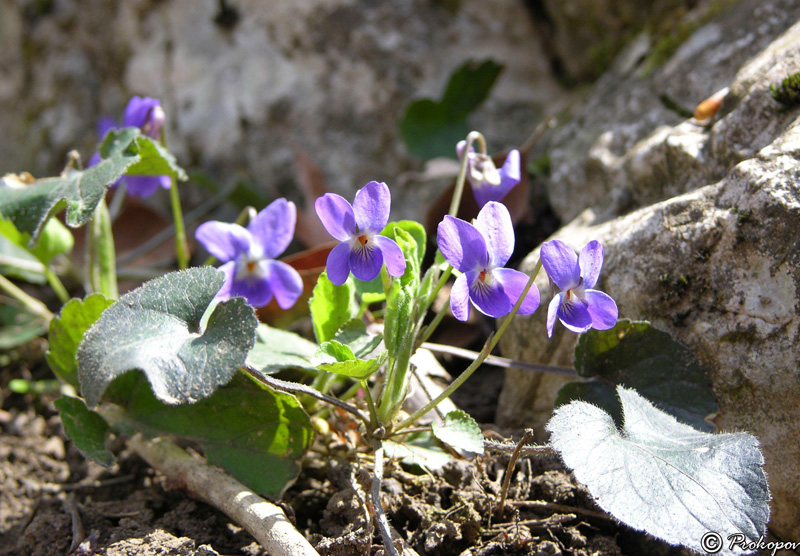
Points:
[(78, 532), (498, 361), (554, 519), (503, 448), (563, 508), (380, 516), (262, 519), (297, 388), (510, 471)]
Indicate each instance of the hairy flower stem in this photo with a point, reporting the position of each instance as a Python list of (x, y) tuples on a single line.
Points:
[(102, 256), (31, 304), (431, 328), (435, 291), (397, 368), (491, 343), (462, 172), (397, 382), (373, 413), (181, 246)]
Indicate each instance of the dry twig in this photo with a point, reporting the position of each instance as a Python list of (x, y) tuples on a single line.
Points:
[(262, 519)]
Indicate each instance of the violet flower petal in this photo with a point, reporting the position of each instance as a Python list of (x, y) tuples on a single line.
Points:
[(490, 299), (459, 298), (366, 262), (602, 308), (273, 227), (482, 193), (392, 255), (144, 186), (461, 148), (336, 214), (256, 290), (285, 281), (138, 110), (461, 244), (224, 241), (338, 264), (494, 223), (561, 264), (95, 160), (574, 314), (591, 261), (510, 174), (552, 313), (513, 282), (105, 125), (371, 207), (229, 269)]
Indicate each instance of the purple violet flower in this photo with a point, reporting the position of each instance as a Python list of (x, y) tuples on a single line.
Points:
[(249, 253), (362, 250), (489, 183), (145, 113), (480, 252), (577, 306)]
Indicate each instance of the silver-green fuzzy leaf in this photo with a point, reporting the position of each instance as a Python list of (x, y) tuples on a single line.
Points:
[(664, 477)]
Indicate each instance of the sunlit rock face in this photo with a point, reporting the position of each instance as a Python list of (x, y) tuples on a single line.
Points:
[(711, 254), (630, 143), (245, 88)]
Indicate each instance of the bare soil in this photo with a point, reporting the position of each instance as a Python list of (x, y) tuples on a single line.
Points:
[(54, 502)]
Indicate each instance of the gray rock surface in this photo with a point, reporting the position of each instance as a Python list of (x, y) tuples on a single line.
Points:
[(624, 148), (716, 264), (585, 35), (330, 77)]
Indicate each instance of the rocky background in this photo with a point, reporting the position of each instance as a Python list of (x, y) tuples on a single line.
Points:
[(700, 221)]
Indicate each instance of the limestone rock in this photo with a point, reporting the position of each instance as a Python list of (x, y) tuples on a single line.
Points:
[(713, 254), (243, 89), (624, 148), (719, 268), (586, 34)]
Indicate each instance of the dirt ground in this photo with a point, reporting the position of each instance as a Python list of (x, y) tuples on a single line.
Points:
[(54, 502)]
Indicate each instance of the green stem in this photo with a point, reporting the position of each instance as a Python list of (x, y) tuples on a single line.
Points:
[(392, 399), (56, 284), (350, 392), (435, 291), (31, 304), (102, 256), (455, 202), (181, 246), (373, 413), (490, 344), (386, 281), (429, 330)]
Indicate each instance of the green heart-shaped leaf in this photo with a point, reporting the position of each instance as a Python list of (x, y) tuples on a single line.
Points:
[(80, 191), (156, 329)]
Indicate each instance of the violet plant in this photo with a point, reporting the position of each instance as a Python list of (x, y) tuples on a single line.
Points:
[(184, 354)]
